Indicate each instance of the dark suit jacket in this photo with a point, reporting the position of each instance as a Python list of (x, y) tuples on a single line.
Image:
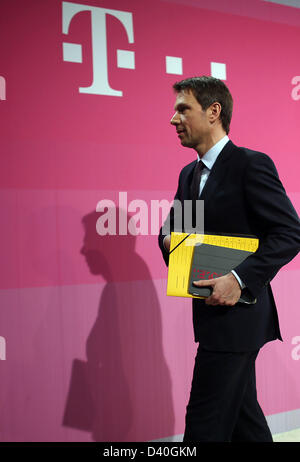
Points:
[(243, 195)]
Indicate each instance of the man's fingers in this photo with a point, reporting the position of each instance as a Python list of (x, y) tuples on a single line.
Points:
[(207, 282), (212, 302), (218, 300), (213, 299), (225, 290)]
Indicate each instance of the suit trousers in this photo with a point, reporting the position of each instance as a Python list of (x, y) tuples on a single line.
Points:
[(223, 404)]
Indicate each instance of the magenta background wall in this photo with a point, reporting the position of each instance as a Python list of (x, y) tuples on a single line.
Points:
[(91, 347)]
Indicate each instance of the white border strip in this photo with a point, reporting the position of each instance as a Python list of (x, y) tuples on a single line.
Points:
[(278, 423), (294, 3)]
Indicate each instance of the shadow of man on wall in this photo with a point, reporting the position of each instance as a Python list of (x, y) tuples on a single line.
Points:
[(123, 391)]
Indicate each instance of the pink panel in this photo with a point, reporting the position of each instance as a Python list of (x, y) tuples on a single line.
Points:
[(278, 364), (67, 139), (94, 362), (51, 238)]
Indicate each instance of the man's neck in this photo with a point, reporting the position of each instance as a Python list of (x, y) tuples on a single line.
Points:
[(209, 143)]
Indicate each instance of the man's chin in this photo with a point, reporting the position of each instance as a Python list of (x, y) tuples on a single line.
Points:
[(186, 144)]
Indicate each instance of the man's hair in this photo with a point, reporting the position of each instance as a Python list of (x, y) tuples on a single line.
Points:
[(208, 90)]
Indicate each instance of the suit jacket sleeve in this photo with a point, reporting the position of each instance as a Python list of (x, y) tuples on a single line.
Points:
[(169, 219), (269, 206)]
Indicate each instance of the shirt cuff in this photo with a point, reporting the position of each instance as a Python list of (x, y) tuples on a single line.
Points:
[(242, 285)]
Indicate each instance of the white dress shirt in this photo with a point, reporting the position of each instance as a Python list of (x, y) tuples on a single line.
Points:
[(209, 159)]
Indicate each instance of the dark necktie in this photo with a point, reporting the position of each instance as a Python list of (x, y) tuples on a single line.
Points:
[(196, 180)]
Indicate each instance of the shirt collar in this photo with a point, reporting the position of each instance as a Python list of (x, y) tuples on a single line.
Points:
[(211, 155)]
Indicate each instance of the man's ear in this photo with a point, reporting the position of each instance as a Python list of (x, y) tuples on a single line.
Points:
[(214, 111)]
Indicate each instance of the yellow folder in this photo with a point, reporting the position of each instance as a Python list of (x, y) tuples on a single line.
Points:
[(180, 259)]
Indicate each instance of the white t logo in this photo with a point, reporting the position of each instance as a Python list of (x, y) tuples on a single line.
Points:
[(72, 51)]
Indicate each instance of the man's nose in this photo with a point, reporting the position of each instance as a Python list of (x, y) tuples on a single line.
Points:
[(175, 119)]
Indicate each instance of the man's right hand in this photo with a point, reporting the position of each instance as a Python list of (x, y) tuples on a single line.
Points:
[(167, 242)]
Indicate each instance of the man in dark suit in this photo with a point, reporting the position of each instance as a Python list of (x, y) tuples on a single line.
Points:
[(242, 195)]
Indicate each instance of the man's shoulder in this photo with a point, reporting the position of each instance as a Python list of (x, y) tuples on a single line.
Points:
[(240, 155), (188, 168), (247, 154)]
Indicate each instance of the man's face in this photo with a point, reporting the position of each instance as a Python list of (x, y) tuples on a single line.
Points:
[(191, 122)]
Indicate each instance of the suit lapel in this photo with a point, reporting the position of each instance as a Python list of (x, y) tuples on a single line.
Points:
[(188, 181)]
